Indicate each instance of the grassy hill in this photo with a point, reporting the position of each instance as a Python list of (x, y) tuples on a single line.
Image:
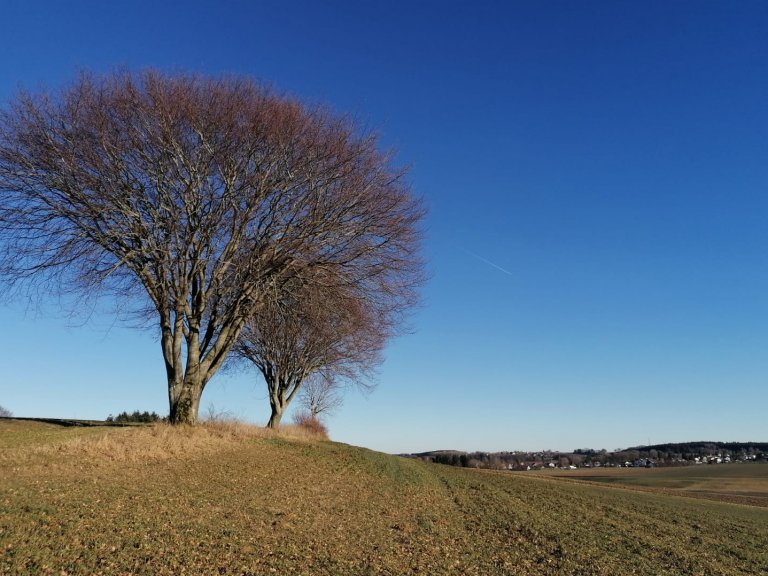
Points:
[(228, 499)]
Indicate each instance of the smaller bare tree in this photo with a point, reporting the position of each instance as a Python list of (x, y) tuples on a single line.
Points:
[(320, 396), (5, 413), (316, 329)]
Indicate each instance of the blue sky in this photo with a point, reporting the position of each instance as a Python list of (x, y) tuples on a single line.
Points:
[(597, 238)]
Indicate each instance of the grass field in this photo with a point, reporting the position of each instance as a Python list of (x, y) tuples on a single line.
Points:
[(232, 500), (739, 483)]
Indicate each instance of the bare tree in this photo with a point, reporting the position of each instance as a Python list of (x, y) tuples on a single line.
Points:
[(191, 197), (322, 331), (320, 396), (5, 413)]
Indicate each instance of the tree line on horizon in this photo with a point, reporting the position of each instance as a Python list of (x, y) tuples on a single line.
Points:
[(243, 225), (670, 454)]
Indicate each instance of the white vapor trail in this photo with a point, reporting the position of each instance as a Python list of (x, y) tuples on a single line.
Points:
[(487, 261)]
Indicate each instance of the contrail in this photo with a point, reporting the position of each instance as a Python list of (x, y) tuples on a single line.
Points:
[(486, 261)]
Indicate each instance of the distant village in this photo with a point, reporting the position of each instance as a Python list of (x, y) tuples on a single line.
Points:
[(681, 454)]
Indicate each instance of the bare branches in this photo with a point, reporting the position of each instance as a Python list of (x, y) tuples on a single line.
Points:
[(200, 195)]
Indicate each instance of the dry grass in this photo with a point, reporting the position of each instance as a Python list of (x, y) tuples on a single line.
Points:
[(30, 443)]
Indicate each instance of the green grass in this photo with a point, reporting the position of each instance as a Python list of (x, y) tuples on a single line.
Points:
[(203, 501)]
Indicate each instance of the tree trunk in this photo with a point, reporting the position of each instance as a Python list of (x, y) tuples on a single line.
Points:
[(186, 402), (277, 414), (281, 391), (186, 376)]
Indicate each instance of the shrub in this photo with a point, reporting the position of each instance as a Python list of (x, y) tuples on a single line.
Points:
[(136, 416), (309, 422)]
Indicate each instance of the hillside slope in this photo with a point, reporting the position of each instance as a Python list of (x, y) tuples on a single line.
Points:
[(221, 501)]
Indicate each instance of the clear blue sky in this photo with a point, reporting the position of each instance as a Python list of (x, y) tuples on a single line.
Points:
[(597, 178)]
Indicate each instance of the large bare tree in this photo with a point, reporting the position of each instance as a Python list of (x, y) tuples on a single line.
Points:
[(192, 197)]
